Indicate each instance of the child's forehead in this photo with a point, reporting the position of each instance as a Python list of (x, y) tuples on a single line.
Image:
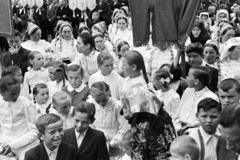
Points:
[(232, 90), (54, 126), (63, 102), (209, 111)]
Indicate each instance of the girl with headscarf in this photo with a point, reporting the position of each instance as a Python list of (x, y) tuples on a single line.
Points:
[(222, 16), (35, 43), (199, 33), (231, 58)]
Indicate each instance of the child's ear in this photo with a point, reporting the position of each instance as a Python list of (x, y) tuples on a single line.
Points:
[(196, 81), (134, 67), (188, 157), (40, 136), (196, 115), (31, 61)]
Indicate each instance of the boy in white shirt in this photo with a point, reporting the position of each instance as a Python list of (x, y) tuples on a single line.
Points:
[(208, 134)]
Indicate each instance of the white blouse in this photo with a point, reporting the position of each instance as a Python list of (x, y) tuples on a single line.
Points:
[(54, 87), (114, 80), (170, 99), (41, 109), (42, 46), (125, 35), (187, 109)]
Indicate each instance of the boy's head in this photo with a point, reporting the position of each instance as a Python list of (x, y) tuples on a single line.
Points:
[(61, 102), (83, 116), (194, 53), (127, 144), (75, 75), (16, 40), (208, 114), (229, 92), (184, 148), (50, 127)]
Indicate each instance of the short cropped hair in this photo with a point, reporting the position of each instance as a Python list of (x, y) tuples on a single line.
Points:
[(46, 119), (230, 115), (207, 104), (75, 68), (103, 56), (85, 107), (60, 96), (229, 84), (195, 47)]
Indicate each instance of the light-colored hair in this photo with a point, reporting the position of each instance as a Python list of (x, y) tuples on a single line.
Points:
[(60, 96)]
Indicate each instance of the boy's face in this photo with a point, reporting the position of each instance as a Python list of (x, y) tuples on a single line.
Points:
[(226, 98), (74, 78), (15, 42), (81, 121), (63, 107), (53, 134), (208, 120)]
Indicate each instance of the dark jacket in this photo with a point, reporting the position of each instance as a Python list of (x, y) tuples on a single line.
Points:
[(223, 153), (93, 146), (41, 15), (104, 10), (65, 152), (115, 6), (52, 13), (65, 10)]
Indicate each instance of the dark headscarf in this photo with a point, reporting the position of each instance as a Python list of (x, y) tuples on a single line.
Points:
[(203, 37)]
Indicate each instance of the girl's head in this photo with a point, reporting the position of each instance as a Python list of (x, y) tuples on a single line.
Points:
[(234, 52), (211, 52), (61, 102), (86, 43), (198, 76), (41, 93), (35, 33), (57, 71), (122, 23), (122, 47), (100, 92), (166, 67), (99, 41), (222, 14), (116, 14), (197, 28), (13, 71), (133, 64), (36, 59), (75, 75), (83, 29), (10, 88), (105, 63), (66, 31), (161, 78), (226, 32)]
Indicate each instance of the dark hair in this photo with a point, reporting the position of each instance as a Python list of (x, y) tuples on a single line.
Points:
[(103, 56), (83, 28), (229, 84), (102, 86), (195, 47), (160, 73), (120, 44), (10, 70), (87, 39), (59, 67), (232, 48), (135, 58), (75, 68), (32, 54), (207, 104), (24, 17), (213, 46), (4, 44), (98, 34), (38, 87), (122, 17), (201, 73), (165, 64), (17, 33), (230, 116), (85, 107), (46, 119), (226, 30), (7, 82)]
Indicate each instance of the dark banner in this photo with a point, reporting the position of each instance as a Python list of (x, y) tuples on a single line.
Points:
[(6, 21)]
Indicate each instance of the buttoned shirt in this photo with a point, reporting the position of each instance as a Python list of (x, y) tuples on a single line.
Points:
[(52, 155), (80, 137)]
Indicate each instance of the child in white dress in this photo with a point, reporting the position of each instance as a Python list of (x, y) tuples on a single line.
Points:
[(41, 98), (62, 107), (37, 74), (17, 119)]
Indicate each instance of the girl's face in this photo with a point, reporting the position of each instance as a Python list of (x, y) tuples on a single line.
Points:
[(222, 16), (37, 61), (37, 35), (81, 47), (42, 96), (12, 93), (204, 18), (52, 76), (67, 33), (210, 55), (18, 76), (229, 34), (191, 79), (157, 83), (122, 24), (102, 101), (107, 67), (74, 78), (235, 54), (127, 69), (124, 49), (196, 31), (99, 43)]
